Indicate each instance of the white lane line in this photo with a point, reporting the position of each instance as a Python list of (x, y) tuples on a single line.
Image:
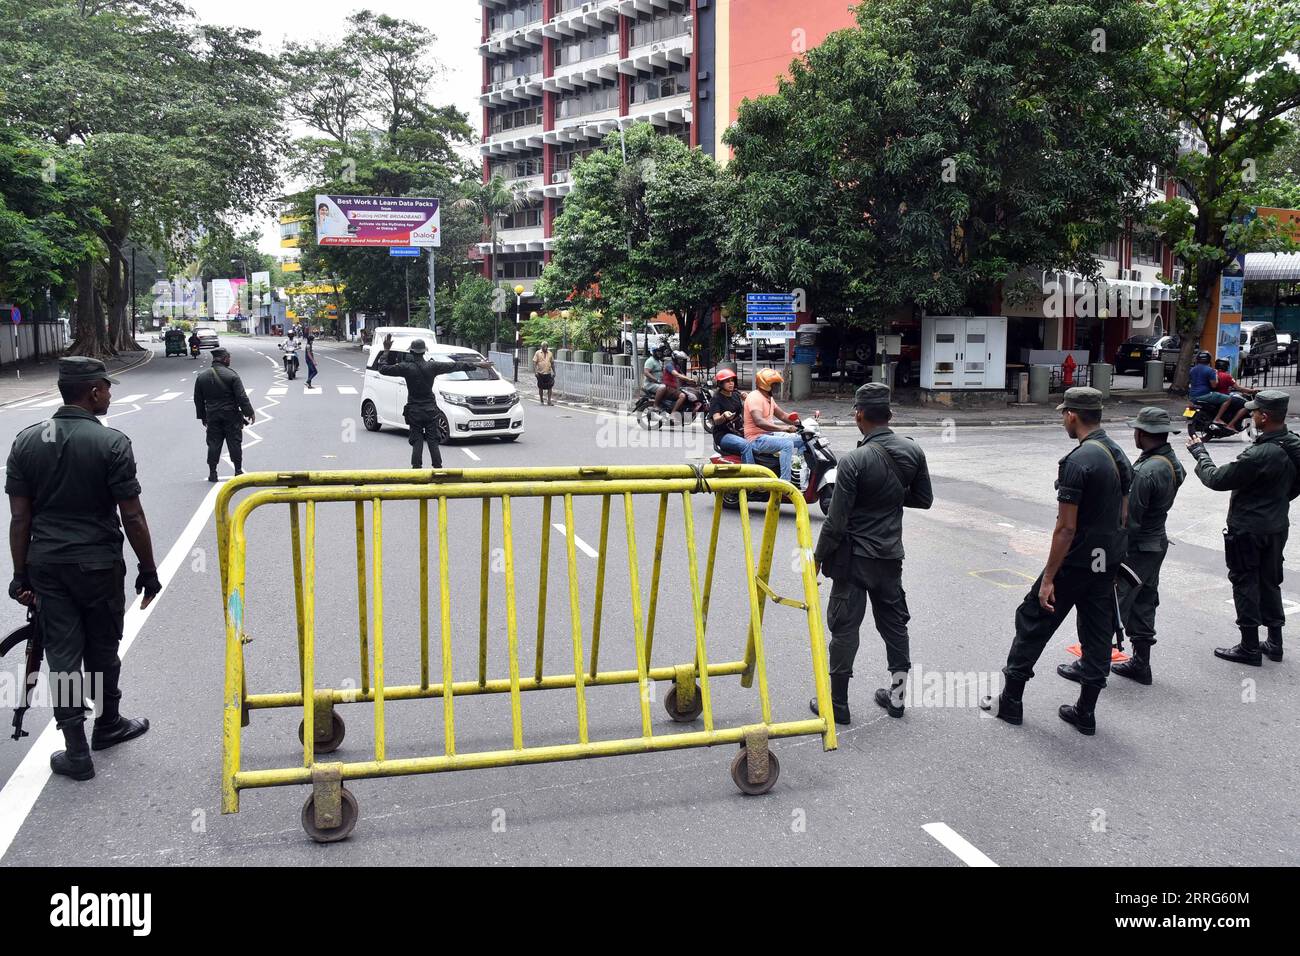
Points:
[(277, 390), (49, 403), (128, 399), (24, 787), (311, 391), (344, 364), (347, 390), (25, 401), (165, 397), (957, 844), (471, 454), (581, 545)]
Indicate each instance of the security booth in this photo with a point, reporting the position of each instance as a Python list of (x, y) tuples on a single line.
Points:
[(961, 353)]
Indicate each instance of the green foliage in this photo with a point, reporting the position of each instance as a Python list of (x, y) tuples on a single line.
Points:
[(922, 157), (472, 317)]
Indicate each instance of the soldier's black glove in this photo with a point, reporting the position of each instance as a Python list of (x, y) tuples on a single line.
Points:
[(147, 581), (18, 585)]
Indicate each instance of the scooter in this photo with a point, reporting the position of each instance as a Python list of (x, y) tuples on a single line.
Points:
[(812, 471), (291, 363), (652, 414), (1200, 421), (194, 351)]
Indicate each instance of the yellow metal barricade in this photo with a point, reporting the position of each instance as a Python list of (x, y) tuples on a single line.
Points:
[(331, 811)]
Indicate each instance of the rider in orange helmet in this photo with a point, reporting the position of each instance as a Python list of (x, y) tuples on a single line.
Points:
[(768, 428)]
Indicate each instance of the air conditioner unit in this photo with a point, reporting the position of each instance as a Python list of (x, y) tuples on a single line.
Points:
[(657, 48), (560, 177)]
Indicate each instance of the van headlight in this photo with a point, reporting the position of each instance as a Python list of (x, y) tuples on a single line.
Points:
[(455, 398)]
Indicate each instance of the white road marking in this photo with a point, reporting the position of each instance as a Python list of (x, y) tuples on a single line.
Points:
[(49, 403), (957, 844), (347, 390), (129, 399), (165, 397), (471, 454), (24, 787), (277, 390), (1004, 524), (314, 390), (581, 545), (25, 401)]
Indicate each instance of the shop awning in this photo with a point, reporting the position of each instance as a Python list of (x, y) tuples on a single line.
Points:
[(1273, 267)]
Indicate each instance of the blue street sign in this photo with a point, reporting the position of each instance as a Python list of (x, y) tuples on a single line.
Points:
[(405, 251), (782, 318), (753, 297), (17, 317)]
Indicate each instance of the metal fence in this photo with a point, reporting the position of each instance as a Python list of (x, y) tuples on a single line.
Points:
[(582, 381), (504, 363), (1277, 375)]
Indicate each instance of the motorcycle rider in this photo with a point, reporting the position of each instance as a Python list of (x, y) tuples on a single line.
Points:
[(1231, 392), (768, 428), (652, 373), (290, 349), (1202, 378), (727, 412), (194, 344), (675, 382)]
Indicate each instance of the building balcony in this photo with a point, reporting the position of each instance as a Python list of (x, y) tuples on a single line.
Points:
[(674, 51), (514, 40), (631, 8), (592, 16), (577, 129), (526, 139), (529, 186), (561, 184), (518, 89), (662, 112), (596, 71)]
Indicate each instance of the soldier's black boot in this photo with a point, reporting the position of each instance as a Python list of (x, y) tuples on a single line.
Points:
[(1083, 713), (891, 697), (1072, 671), (111, 728), (74, 762), (839, 699), (1272, 648), (1007, 705), (1137, 667), (1247, 652), (212, 474)]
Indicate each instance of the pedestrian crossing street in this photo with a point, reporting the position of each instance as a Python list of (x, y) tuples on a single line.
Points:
[(144, 398)]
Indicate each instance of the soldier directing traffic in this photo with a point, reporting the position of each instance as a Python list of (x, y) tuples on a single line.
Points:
[(68, 479), (861, 547), (1263, 481), (1088, 545), (223, 407), (420, 412)]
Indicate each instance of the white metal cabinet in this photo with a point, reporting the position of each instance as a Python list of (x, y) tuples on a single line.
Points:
[(963, 352)]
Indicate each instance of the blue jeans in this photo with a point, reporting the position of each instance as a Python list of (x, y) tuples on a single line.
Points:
[(733, 444), (781, 444)]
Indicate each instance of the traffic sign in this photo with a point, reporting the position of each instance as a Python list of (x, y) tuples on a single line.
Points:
[(17, 316), (410, 252), (754, 297), (764, 308), (770, 335), (769, 318)]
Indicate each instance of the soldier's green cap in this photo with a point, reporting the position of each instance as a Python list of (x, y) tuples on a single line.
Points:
[(418, 347), (1154, 421), (218, 354), (872, 395), (1269, 400), (76, 369), (1081, 398)]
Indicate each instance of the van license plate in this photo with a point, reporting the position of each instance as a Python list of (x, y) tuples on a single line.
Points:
[(480, 424)]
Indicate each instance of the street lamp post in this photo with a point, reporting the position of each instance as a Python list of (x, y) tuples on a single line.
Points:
[(519, 315)]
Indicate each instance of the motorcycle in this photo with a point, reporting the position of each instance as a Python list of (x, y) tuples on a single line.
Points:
[(651, 414), (291, 363), (1200, 416), (812, 471), (194, 351)]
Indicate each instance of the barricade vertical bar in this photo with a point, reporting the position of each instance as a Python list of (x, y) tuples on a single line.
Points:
[(713, 553), (763, 571), (701, 654), (512, 635), (820, 661), (309, 642), (377, 519), (295, 543), (754, 648), (232, 716), (362, 602), (599, 605), (486, 556), (444, 597), (542, 579), (424, 593), (575, 620), (654, 579), (637, 635)]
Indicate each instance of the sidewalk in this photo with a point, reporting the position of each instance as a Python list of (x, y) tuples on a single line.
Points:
[(29, 380)]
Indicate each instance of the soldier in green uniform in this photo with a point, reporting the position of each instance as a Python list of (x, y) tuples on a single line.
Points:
[(67, 480), (421, 411), (861, 547), (1263, 481), (223, 407), (1157, 476), (1088, 545)]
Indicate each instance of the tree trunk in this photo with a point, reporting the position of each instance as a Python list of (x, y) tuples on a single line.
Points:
[(1206, 280), (89, 335)]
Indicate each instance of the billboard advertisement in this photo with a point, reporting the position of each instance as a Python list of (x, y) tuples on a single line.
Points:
[(377, 221), (224, 298), (1228, 345)]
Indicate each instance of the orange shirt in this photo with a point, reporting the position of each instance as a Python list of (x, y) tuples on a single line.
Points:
[(756, 403)]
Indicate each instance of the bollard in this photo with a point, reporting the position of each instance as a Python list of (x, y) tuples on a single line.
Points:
[(1040, 383), (600, 358), (1153, 377), (1100, 374), (800, 382), (622, 359), (1022, 388)]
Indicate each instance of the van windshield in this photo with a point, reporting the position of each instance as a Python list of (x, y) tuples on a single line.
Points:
[(487, 374)]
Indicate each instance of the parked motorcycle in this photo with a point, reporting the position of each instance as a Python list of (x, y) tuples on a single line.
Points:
[(651, 414), (812, 471), (1200, 421)]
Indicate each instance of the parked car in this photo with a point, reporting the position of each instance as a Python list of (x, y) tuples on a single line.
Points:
[(1288, 347), (742, 348), (1259, 347), (207, 338), (478, 402), (649, 338), (1137, 350)]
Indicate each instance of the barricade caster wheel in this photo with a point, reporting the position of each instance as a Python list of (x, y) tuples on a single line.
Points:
[(740, 773), (327, 745), (350, 813), (683, 716)]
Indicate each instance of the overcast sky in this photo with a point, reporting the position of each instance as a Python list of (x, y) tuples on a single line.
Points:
[(454, 22)]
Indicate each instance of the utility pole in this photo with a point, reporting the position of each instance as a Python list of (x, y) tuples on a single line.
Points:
[(408, 291), (433, 325)]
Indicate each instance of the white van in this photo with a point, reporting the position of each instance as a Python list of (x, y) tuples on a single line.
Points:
[(479, 402)]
